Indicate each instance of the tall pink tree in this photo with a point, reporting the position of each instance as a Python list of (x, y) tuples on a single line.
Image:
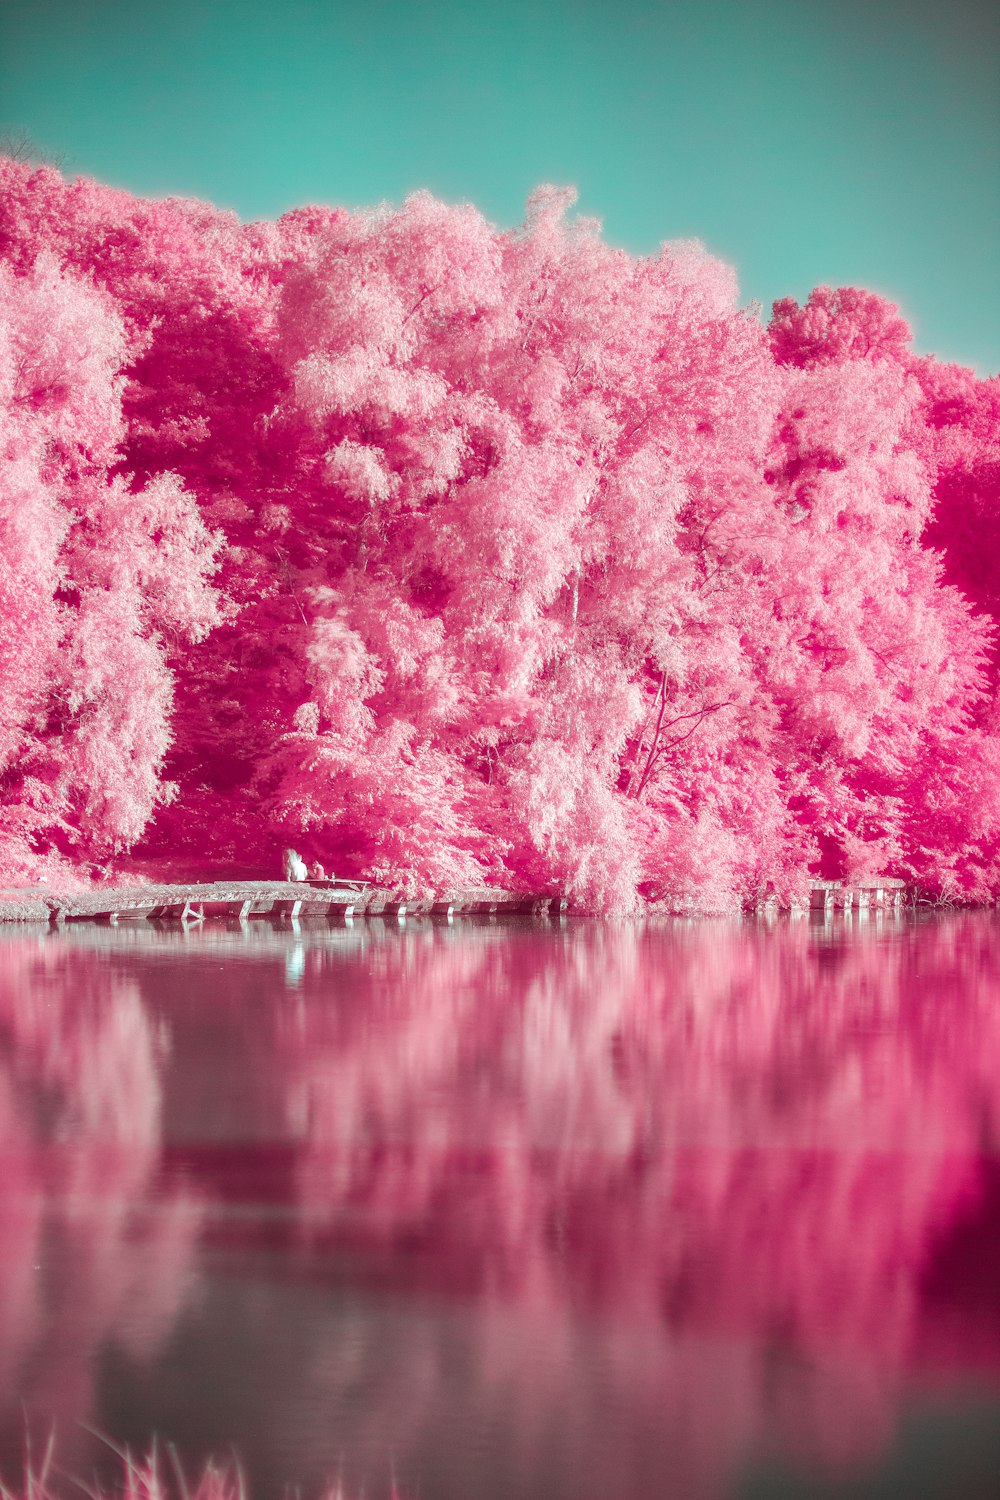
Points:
[(893, 679), (508, 439), (96, 575)]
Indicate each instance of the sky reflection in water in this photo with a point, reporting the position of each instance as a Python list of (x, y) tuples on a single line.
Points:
[(509, 1210)]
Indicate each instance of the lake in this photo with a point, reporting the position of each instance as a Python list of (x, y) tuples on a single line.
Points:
[(572, 1210)]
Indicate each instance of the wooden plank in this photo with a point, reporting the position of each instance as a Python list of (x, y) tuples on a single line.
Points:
[(332, 882), (286, 909)]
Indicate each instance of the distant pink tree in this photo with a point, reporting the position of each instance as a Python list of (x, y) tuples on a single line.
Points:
[(961, 417), (901, 663)]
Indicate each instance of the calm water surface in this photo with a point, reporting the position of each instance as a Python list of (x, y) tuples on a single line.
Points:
[(576, 1212)]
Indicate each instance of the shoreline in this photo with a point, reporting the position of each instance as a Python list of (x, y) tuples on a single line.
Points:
[(244, 900), (342, 900)]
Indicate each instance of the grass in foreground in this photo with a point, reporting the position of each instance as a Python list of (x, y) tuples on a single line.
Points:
[(157, 1476)]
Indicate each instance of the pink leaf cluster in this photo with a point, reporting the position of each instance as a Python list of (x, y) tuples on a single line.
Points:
[(454, 555)]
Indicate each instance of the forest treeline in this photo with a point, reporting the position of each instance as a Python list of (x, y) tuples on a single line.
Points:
[(453, 555)]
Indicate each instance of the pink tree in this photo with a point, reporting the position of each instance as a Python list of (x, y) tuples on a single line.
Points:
[(94, 575), (509, 440), (891, 685)]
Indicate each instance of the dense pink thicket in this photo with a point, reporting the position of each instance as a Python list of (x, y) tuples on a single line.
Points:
[(454, 555)]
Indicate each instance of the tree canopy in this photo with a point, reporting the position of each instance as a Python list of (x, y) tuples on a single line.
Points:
[(456, 555)]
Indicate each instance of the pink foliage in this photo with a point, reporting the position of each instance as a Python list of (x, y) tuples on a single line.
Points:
[(95, 574), (534, 563)]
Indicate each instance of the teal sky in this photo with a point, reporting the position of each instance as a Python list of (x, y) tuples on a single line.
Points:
[(804, 141)]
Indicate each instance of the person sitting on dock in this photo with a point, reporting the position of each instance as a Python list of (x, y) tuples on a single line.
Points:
[(316, 871), (295, 866)]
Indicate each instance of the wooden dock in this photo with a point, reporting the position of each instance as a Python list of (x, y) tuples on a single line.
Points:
[(877, 893), (880, 893), (344, 900), (280, 900)]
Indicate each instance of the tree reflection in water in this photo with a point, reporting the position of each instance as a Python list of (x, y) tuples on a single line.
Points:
[(91, 1247), (502, 1210)]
